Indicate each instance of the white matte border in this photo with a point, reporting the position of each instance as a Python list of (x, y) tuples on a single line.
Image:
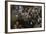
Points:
[(27, 29)]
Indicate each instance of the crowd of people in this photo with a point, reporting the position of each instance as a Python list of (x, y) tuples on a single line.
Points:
[(26, 16)]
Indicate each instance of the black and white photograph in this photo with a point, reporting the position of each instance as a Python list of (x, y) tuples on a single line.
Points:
[(24, 16)]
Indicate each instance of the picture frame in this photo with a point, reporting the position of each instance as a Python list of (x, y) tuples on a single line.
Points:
[(8, 17)]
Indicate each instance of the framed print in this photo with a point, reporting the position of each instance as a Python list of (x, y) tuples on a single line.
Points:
[(24, 16)]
